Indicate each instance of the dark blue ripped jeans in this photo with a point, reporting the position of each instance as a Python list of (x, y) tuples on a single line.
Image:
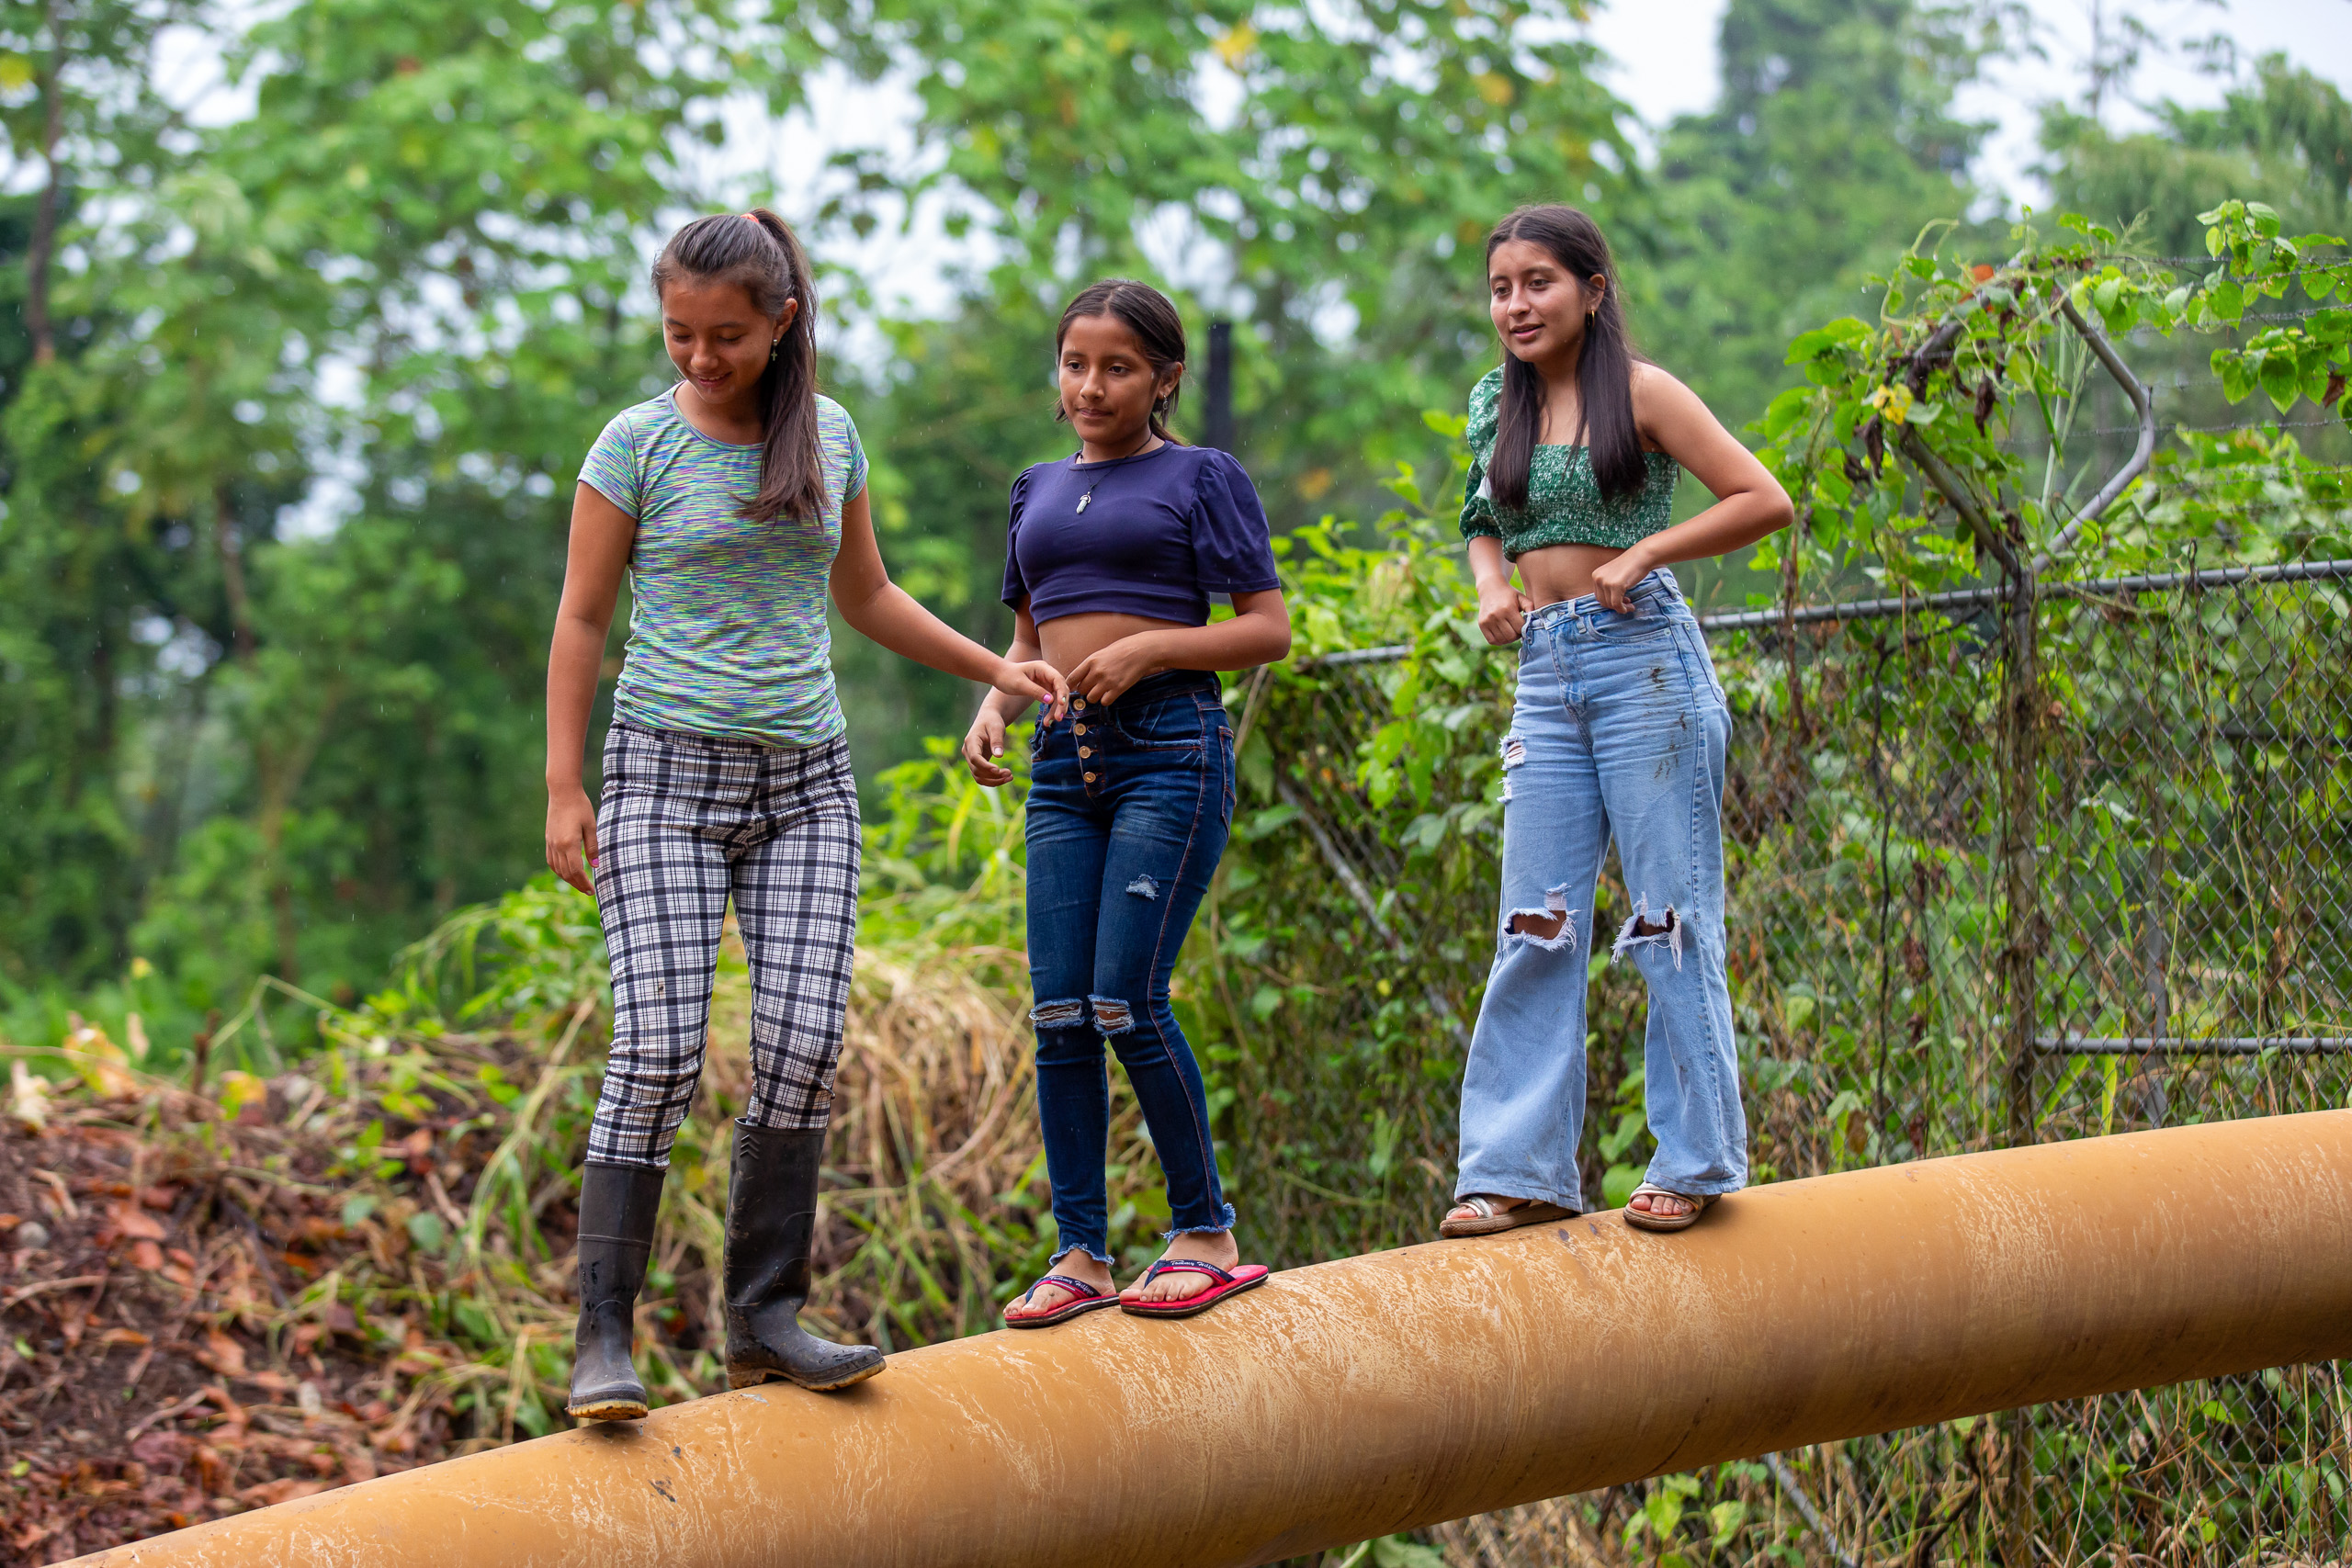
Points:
[(1129, 805)]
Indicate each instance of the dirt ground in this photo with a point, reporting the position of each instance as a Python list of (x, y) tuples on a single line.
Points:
[(166, 1355)]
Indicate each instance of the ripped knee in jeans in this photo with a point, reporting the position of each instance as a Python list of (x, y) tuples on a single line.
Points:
[(1551, 928), (1112, 1014), (1067, 1014), (1641, 930)]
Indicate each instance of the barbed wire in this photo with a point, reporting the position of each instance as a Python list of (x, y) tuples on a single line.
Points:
[(2147, 330), (2214, 481), (2323, 264), (2269, 467), (2211, 429)]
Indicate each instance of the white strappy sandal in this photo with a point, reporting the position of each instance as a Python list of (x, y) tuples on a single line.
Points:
[(1700, 1202), (1486, 1219)]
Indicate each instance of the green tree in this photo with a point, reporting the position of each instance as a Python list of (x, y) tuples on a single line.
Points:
[(1834, 142), (1322, 175), (77, 105), (2283, 138), (403, 277)]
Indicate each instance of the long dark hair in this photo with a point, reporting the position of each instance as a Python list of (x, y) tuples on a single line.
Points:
[(1147, 314), (1604, 370), (758, 250)]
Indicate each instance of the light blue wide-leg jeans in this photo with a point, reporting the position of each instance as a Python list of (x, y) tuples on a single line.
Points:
[(1620, 732)]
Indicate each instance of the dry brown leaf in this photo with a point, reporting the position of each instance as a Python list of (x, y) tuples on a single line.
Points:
[(283, 1490), (126, 1217), (223, 1355)]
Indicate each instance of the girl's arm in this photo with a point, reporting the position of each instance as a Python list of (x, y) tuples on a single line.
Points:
[(1258, 634), (1750, 503), (984, 742), (1503, 609), (601, 538), (880, 609)]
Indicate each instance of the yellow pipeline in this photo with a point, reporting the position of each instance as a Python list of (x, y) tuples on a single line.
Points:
[(1376, 1394)]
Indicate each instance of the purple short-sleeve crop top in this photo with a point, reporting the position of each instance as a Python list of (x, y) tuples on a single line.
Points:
[(1153, 534)]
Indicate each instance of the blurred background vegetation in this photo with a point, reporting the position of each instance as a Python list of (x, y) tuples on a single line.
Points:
[(293, 397)]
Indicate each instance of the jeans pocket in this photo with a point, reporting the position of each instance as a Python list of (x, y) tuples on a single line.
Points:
[(1646, 623), (1173, 724), (1693, 643)]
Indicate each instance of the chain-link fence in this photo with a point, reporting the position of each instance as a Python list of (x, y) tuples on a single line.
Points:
[(1998, 872)]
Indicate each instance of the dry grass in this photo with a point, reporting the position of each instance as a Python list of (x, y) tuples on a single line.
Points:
[(286, 1283)]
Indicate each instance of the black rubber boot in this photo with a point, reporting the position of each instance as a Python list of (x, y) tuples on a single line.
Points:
[(771, 1220), (617, 1208)]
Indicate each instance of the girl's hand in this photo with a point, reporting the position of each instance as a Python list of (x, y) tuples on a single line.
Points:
[(1104, 675), (1502, 612), (983, 744), (1615, 579), (571, 836), (1037, 682)]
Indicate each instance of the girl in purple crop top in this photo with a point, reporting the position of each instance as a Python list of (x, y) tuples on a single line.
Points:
[(1113, 555)]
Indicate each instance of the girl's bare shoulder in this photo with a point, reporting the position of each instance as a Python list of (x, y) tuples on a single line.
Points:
[(1662, 403), (1656, 383)]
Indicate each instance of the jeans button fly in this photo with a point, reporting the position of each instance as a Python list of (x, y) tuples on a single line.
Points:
[(1090, 778)]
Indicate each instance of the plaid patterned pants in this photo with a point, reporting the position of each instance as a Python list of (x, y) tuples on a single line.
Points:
[(685, 821)]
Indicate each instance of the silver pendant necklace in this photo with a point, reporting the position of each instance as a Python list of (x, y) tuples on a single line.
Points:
[(1107, 463)]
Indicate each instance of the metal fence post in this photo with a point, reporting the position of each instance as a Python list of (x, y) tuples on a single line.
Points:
[(2019, 752)]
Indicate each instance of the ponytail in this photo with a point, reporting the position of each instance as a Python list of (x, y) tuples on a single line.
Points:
[(1604, 369), (758, 251)]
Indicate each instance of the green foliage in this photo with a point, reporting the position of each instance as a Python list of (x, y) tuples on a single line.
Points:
[(1331, 200), (2286, 363), (1834, 139), (376, 311), (1953, 430), (2284, 138)]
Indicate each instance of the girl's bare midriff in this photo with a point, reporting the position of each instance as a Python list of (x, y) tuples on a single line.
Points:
[(1067, 641), (1554, 572)]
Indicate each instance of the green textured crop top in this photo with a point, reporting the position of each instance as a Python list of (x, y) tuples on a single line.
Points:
[(1565, 506)]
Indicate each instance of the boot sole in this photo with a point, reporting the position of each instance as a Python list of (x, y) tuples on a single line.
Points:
[(607, 1410), (752, 1377)]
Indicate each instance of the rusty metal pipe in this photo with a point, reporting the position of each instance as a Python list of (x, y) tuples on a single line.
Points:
[(1379, 1394)]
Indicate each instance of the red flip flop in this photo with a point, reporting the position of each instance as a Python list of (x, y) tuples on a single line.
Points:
[(1250, 1276), (1086, 1300)]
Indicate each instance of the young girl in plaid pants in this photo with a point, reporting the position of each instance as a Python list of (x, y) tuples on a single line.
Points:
[(735, 503)]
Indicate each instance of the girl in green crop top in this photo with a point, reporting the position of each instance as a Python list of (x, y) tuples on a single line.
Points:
[(1618, 735), (1576, 442)]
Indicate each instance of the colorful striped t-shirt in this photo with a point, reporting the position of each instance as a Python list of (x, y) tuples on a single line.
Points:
[(727, 632)]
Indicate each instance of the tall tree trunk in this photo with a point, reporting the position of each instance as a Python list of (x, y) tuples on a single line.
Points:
[(228, 546), (44, 243), (277, 774)]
